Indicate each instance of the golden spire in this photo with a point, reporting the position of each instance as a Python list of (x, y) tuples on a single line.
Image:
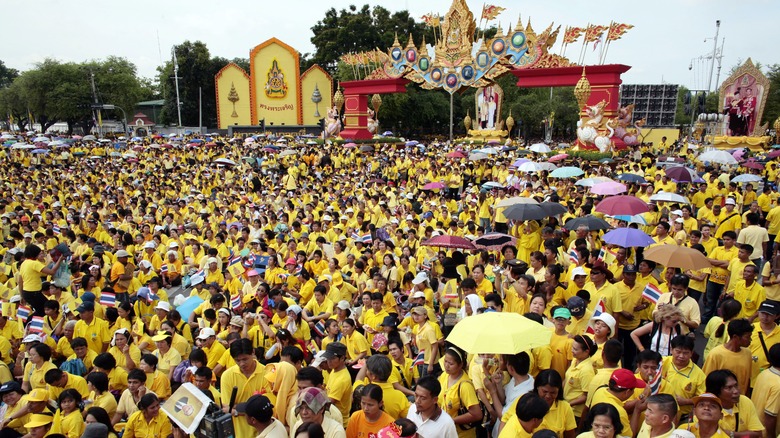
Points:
[(582, 90), (410, 43)]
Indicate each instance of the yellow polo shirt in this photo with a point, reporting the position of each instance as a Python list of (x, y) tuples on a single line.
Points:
[(603, 395), (578, 378), (96, 333), (35, 376), (246, 387), (160, 426)]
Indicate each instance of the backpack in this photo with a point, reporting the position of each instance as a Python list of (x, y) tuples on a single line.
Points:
[(178, 372), (74, 366)]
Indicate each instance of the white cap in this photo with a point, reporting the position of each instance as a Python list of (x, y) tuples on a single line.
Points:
[(163, 305), (212, 260), (31, 338), (295, 309), (394, 221), (677, 212), (349, 210), (327, 218), (679, 220), (196, 279), (145, 264), (122, 253), (173, 244), (409, 217), (28, 235), (420, 278), (409, 196), (343, 305), (149, 245), (607, 319), (579, 270), (418, 294), (56, 204), (731, 201), (206, 333)]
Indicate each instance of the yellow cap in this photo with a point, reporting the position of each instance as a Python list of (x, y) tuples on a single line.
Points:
[(38, 395), (38, 420), (161, 336)]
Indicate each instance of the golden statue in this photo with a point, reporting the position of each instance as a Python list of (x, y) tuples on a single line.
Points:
[(233, 98)]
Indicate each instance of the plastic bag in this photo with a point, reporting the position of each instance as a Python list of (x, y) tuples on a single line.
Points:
[(61, 278)]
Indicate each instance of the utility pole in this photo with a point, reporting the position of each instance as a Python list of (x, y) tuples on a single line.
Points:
[(200, 110), (176, 79), (714, 54), (95, 101)]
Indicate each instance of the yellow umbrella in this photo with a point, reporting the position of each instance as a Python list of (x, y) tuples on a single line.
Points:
[(499, 333)]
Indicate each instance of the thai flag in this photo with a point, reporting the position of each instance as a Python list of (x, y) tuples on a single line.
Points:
[(419, 360), (235, 302), (23, 312), (602, 254), (655, 383), (36, 325), (250, 261), (108, 299), (233, 260), (574, 257), (164, 269), (56, 229), (598, 310), (651, 293), (356, 237), (200, 272), (426, 265), (366, 238), (319, 328)]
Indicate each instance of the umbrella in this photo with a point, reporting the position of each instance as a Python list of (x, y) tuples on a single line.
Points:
[(721, 157), (476, 156), (522, 152), (747, 178), (433, 186), (675, 256), (488, 150), (628, 238), (456, 154), (516, 200), (387, 133), (631, 178), (448, 241), (669, 197), (592, 222), (546, 166), (225, 161), (412, 143), (608, 188), (23, 146), (540, 148), (528, 167), (7, 137), (622, 205), (553, 208), (366, 148), (41, 139), (40, 151), (631, 219), (490, 185), (754, 165), (377, 181), (350, 145), (680, 174), (493, 241), (493, 142), (739, 154), (115, 154), (480, 334), (590, 182), (288, 152), (558, 157), (89, 138), (518, 162), (566, 172), (525, 212), (774, 154)]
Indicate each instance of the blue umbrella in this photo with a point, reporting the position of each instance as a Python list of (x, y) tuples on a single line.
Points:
[(567, 172), (196, 140), (631, 178), (387, 133), (628, 238), (40, 151), (412, 143), (635, 219)]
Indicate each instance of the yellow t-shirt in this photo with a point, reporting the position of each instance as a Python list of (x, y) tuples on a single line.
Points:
[(577, 382), (461, 393), (339, 389), (30, 270)]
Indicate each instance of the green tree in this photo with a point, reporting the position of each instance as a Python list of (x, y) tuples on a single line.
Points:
[(772, 108), (7, 75)]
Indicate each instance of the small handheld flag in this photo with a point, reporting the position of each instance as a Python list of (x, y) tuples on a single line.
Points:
[(56, 229), (366, 238), (36, 325), (598, 310), (235, 302), (651, 293), (164, 269), (108, 299), (419, 360), (655, 383), (574, 257), (23, 312)]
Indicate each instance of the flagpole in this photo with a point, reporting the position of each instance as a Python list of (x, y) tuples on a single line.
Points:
[(581, 58), (563, 46), (605, 48)]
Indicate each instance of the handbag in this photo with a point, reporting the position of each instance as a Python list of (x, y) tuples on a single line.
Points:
[(464, 410)]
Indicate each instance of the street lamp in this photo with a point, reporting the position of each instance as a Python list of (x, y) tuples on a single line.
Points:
[(124, 116)]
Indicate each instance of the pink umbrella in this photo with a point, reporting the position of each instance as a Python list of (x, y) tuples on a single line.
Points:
[(456, 154), (622, 205), (739, 154), (754, 165), (608, 188), (433, 186), (558, 157), (774, 154), (447, 241), (350, 145)]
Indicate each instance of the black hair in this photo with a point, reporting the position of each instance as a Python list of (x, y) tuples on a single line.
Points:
[(430, 384), (293, 352), (612, 351), (648, 355), (520, 362), (43, 350), (147, 400), (100, 415), (311, 429), (310, 374), (137, 374), (729, 309), (739, 327), (372, 391), (716, 380), (665, 403), (69, 393), (380, 366), (98, 380), (588, 343), (531, 407), (607, 410), (549, 377), (683, 342), (53, 375), (204, 372), (150, 360), (241, 346), (774, 355)]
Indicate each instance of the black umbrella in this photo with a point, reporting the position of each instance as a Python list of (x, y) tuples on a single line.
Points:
[(366, 149), (525, 212), (492, 241), (553, 208), (590, 221), (631, 178)]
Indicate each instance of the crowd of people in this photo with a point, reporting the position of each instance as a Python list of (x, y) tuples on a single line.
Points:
[(297, 292)]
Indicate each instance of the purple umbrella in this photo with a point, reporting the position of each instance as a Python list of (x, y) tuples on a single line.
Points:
[(433, 186), (628, 238)]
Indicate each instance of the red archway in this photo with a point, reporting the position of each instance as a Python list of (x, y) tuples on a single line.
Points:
[(604, 80)]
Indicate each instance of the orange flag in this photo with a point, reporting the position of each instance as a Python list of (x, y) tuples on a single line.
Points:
[(592, 33), (490, 12), (572, 34), (617, 30)]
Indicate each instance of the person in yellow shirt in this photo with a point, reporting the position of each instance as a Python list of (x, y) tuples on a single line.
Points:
[(530, 413), (716, 283), (729, 220), (748, 292), (339, 385), (621, 387), (149, 420)]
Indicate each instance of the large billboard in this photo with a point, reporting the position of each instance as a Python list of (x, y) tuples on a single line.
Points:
[(743, 97)]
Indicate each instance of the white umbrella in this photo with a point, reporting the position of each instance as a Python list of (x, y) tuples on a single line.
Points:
[(590, 182), (7, 137), (476, 156), (288, 152), (23, 146), (747, 178), (225, 161), (488, 150), (540, 148), (529, 167), (669, 197), (89, 138), (546, 166), (720, 157), (516, 200), (41, 138)]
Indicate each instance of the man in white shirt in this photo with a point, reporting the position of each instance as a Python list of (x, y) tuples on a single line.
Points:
[(431, 420)]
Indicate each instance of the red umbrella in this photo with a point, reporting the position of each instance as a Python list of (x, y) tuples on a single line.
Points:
[(447, 241), (558, 157), (754, 165), (622, 205), (456, 154)]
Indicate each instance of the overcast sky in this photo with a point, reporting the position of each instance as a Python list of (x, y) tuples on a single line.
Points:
[(667, 36)]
